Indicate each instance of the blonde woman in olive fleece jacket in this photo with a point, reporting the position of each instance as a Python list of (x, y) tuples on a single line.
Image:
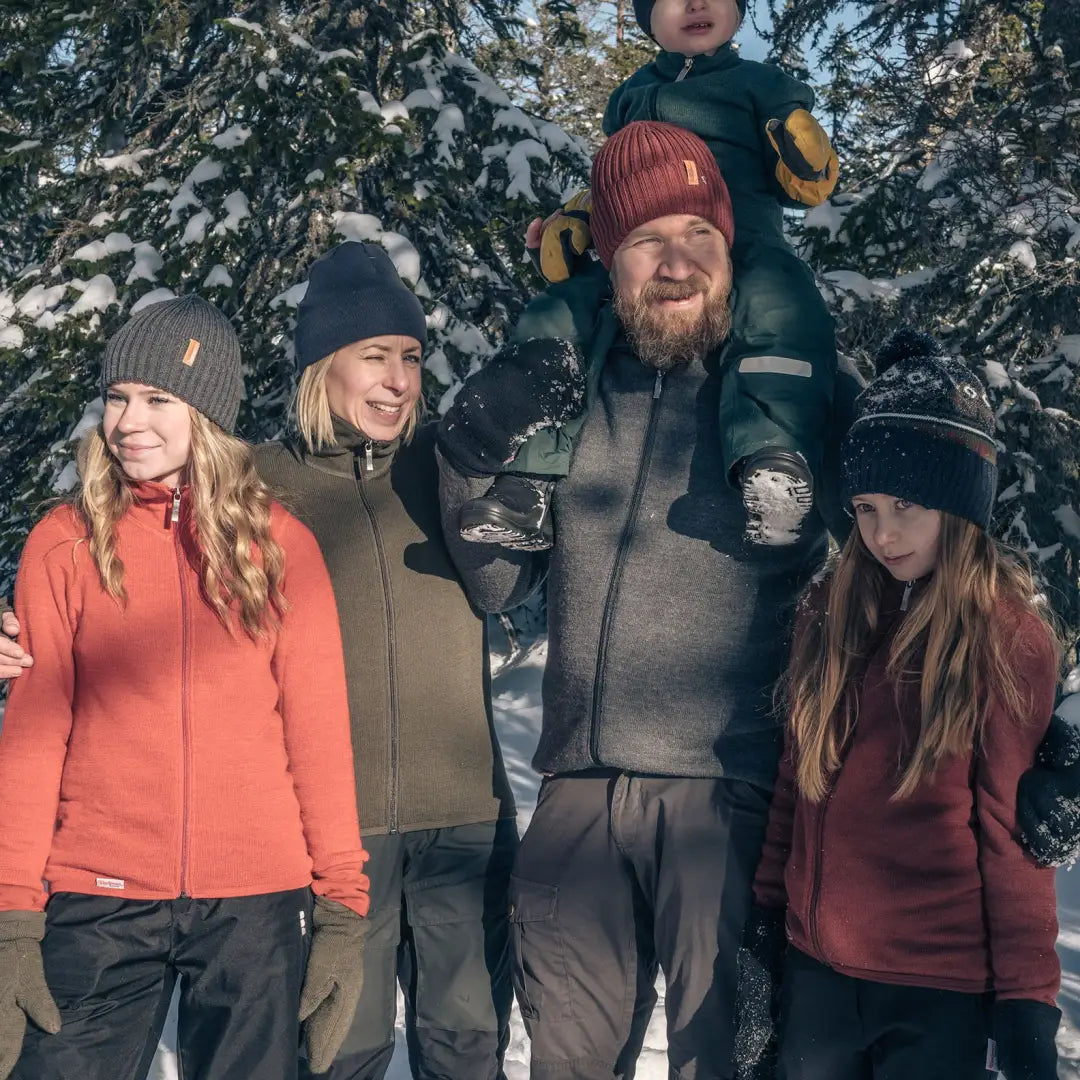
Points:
[(435, 807)]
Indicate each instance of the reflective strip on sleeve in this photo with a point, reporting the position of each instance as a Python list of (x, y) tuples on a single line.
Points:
[(775, 365)]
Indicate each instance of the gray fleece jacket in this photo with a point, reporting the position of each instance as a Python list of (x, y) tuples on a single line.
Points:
[(666, 630)]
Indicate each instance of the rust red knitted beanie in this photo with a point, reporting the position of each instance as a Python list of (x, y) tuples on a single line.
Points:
[(647, 170)]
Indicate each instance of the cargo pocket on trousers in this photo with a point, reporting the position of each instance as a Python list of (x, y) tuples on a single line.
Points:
[(540, 978)]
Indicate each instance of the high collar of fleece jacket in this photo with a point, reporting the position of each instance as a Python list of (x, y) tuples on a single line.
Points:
[(669, 64), (352, 447)]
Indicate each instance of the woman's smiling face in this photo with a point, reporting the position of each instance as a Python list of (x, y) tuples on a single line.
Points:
[(375, 384)]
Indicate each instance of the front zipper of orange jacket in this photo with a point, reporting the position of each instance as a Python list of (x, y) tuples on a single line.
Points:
[(617, 567), (685, 69), (174, 521), (384, 571)]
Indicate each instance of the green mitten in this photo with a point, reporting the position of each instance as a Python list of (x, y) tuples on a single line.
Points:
[(23, 990), (332, 982)]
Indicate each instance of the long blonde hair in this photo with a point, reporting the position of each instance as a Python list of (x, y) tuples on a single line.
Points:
[(311, 407), (952, 643), (242, 565)]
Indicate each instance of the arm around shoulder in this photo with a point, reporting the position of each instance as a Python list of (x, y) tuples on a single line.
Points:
[(310, 669), (38, 718), (495, 578), (1019, 896)]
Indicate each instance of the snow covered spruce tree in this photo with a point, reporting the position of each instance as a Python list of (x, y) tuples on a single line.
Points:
[(149, 149), (958, 126)]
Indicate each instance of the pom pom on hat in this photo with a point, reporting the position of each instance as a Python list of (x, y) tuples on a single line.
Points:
[(906, 343)]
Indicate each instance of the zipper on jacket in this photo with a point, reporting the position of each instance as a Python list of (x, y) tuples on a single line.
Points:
[(907, 595), (185, 733), (819, 853), (617, 567), (384, 572), (369, 458), (685, 69)]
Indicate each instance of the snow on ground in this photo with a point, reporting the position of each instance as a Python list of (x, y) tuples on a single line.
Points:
[(517, 719)]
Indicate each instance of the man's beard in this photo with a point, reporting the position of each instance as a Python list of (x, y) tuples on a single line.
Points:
[(665, 339)]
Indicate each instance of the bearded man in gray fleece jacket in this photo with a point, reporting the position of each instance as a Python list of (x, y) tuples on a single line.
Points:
[(666, 634)]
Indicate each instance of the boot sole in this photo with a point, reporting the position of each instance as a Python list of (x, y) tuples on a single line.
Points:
[(487, 528)]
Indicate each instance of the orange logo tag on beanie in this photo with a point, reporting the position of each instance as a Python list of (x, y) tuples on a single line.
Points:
[(191, 352), (691, 172)]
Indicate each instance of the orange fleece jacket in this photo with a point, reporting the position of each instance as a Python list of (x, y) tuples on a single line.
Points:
[(149, 753)]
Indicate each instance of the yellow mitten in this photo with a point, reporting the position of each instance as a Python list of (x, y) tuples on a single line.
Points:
[(807, 167), (565, 238)]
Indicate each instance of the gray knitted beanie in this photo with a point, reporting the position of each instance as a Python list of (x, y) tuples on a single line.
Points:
[(185, 346)]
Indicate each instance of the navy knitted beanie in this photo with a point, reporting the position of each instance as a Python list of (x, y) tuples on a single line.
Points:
[(354, 292), (923, 431), (643, 11)]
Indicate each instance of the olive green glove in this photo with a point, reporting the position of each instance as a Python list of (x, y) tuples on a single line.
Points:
[(566, 238), (333, 981), (807, 166), (23, 990)]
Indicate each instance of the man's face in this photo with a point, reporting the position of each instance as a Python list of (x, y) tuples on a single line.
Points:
[(672, 278)]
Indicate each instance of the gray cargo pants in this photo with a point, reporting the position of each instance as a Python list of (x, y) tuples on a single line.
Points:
[(439, 929), (619, 874)]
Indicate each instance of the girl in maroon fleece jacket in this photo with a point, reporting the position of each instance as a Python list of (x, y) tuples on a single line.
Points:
[(922, 679)]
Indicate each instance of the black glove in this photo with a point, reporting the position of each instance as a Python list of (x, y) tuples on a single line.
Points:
[(1024, 1033), (761, 968), (1048, 797), (523, 388)]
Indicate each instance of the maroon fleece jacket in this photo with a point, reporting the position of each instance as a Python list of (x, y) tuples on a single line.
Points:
[(933, 890)]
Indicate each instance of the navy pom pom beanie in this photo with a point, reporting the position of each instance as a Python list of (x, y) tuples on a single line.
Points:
[(923, 431)]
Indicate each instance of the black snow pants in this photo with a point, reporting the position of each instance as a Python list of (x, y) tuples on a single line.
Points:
[(439, 927), (112, 964), (835, 1027), (619, 874)]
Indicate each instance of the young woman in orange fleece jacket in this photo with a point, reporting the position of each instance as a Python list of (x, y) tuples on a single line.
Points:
[(176, 772)]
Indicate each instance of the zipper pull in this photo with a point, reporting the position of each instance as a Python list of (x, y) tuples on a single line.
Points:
[(175, 506), (658, 385), (907, 595), (369, 461), (686, 69)]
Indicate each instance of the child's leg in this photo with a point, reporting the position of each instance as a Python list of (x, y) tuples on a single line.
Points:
[(777, 389), (932, 1034), (106, 965), (820, 1026), (780, 363)]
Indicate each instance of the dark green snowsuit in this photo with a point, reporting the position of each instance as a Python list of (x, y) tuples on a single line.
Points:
[(780, 360)]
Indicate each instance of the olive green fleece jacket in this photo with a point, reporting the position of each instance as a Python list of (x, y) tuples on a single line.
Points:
[(415, 651)]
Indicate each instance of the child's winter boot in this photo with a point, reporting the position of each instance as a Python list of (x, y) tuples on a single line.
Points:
[(515, 512), (778, 493)]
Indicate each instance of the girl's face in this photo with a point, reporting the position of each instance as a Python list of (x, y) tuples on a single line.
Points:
[(375, 384), (694, 27), (148, 431), (903, 536)]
